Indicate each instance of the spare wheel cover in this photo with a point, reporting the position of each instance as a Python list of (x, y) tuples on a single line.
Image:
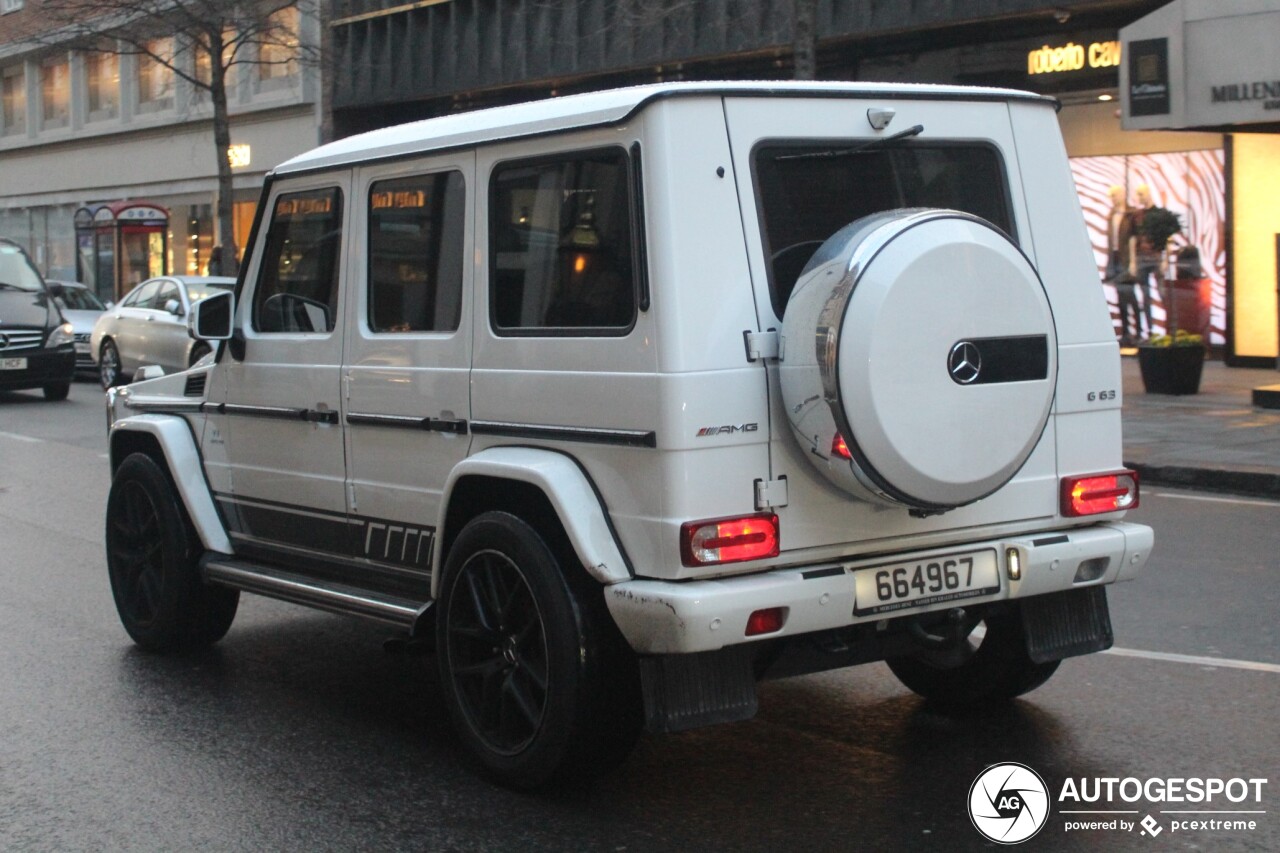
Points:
[(937, 355)]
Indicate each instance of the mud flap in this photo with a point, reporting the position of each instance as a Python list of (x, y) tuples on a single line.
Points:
[(1067, 624), (683, 692)]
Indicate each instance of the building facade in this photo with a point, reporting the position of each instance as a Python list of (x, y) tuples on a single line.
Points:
[(81, 131), (403, 61)]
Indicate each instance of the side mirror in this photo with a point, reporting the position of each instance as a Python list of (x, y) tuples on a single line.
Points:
[(174, 307), (210, 318)]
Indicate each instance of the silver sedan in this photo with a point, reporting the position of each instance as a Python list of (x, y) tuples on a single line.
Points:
[(149, 326)]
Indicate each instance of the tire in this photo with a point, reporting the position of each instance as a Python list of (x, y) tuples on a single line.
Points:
[(57, 391), (550, 695), (153, 563), (975, 675), (109, 365), (198, 352)]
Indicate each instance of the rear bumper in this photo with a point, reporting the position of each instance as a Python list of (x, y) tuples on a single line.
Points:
[(662, 617), (44, 367)]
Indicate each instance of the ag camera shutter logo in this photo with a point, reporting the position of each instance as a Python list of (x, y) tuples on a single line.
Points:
[(1008, 803)]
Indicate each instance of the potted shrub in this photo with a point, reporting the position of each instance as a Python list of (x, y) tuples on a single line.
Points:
[(1158, 226), (1172, 365)]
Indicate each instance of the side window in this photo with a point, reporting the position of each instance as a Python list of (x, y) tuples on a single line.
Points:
[(168, 290), (142, 295), (561, 245), (415, 253), (297, 287)]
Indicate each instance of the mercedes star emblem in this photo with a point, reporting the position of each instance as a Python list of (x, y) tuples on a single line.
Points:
[(4, 341), (965, 363)]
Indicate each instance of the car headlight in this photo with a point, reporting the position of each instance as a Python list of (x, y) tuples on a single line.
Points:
[(61, 336)]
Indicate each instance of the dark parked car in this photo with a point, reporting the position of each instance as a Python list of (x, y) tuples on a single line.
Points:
[(36, 342), (81, 308), (149, 326)]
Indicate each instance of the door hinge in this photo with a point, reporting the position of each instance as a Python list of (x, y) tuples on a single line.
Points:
[(763, 345), (771, 493)]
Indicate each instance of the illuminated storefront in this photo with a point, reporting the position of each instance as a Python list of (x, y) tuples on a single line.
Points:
[(1213, 66)]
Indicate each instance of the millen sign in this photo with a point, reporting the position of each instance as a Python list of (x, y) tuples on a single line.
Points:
[(1266, 91)]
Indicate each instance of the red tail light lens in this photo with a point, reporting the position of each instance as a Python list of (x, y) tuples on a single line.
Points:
[(1099, 493), (766, 621), (839, 447), (729, 540)]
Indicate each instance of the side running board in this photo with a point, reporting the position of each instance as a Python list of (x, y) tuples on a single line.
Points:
[(312, 592)]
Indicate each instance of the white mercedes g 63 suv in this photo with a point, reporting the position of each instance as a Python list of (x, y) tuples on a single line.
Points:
[(625, 401)]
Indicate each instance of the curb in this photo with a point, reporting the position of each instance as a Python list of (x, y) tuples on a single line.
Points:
[(1248, 483)]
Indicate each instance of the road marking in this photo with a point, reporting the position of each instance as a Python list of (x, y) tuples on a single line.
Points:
[(1238, 501), (1197, 660), (17, 437)]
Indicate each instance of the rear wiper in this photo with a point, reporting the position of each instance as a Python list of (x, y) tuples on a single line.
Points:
[(845, 152)]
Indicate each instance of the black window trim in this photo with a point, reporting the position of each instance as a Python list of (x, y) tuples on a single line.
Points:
[(915, 142), (564, 331), (423, 334)]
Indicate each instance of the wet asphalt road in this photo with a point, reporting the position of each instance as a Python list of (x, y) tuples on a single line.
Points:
[(298, 732)]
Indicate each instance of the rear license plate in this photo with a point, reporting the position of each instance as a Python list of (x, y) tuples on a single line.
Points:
[(13, 364), (926, 581)]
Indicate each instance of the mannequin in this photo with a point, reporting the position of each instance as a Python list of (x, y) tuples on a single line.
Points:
[(1144, 258), (1118, 267)]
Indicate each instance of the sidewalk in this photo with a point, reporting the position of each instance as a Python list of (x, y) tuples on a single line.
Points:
[(1215, 440)]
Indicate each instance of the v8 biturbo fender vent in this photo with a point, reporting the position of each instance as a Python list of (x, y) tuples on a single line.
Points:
[(195, 385)]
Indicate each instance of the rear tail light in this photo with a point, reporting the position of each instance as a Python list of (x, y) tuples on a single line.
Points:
[(839, 447), (1099, 493), (729, 540)]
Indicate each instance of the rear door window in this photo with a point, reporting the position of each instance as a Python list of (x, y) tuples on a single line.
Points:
[(806, 191), (415, 253)]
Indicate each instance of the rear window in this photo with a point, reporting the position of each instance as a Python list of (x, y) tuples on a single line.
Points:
[(806, 191)]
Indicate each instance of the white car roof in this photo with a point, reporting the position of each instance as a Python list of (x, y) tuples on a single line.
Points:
[(596, 108)]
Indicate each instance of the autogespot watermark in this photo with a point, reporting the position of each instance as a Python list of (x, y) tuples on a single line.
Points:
[(1009, 803)]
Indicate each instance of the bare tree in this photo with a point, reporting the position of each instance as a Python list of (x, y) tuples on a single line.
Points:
[(199, 41)]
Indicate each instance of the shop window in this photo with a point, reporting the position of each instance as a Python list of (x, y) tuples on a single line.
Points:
[(415, 253), (278, 48), (155, 77), (298, 283), (561, 244), (102, 76), (55, 93), (808, 191), (13, 101)]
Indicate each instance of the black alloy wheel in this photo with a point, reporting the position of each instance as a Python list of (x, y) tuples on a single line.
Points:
[(153, 564), (498, 653), (979, 671), (109, 365), (542, 688)]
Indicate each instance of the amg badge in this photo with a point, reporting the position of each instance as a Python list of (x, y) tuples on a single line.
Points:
[(727, 429)]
